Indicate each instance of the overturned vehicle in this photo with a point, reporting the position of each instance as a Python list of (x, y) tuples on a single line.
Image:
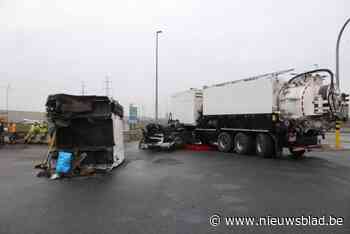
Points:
[(86, 135)]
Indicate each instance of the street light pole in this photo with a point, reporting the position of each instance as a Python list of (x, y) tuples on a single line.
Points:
[(156, 102), (338, 122), (337, 52)]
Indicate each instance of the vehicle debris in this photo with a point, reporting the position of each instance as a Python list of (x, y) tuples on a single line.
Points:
[(85, 136), (171, 136)]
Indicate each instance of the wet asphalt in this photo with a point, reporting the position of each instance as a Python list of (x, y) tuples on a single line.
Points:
[(177, 192)]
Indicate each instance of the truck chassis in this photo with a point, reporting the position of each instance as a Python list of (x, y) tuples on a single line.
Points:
[(263, 134)]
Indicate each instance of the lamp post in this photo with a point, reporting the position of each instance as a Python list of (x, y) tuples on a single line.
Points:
[(338, 122), (337, 51), (156, 101)]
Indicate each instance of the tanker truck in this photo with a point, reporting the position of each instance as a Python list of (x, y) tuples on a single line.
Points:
[(261, 114)]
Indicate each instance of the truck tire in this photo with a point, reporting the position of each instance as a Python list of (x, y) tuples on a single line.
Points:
[(296, 154), (243, 143), (224, 142), (264, 145)]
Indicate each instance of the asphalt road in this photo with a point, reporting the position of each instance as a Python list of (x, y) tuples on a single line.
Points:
[(160, 192)]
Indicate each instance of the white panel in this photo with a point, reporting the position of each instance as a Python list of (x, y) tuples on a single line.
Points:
[(184, 106), (243, 97), (118, 149)]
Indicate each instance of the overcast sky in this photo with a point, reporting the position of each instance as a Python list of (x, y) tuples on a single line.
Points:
[(51, 46)]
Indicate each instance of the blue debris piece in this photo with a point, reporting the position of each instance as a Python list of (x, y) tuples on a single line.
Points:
[(64, 162)]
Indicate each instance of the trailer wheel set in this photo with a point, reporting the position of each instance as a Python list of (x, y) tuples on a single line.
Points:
[(261, 144)]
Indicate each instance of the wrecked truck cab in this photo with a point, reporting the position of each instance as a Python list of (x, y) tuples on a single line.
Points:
[(89, 127)]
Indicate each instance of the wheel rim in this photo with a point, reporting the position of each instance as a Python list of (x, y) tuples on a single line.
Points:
[(239, 146), (223, 141), (258, 146)]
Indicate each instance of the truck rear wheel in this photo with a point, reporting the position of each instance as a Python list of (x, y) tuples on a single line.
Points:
[(224, 142), (264, 145), (243, 143)]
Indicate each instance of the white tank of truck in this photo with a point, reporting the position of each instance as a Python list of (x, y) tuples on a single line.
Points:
[(291, 96)]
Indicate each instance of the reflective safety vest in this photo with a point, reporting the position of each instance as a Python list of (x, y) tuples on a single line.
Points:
[(12, 128)]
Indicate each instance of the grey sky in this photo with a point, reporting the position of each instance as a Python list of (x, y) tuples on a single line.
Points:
[(51, 46)]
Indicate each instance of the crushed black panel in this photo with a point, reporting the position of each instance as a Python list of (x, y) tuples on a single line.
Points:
[(86, 133), (66, 107)]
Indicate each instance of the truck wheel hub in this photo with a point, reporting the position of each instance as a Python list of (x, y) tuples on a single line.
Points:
[(239, 145), (258, 147)]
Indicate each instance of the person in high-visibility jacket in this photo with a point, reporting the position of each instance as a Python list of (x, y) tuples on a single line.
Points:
[(43, 130), (13, 133), (33, 131), (2, 130)]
